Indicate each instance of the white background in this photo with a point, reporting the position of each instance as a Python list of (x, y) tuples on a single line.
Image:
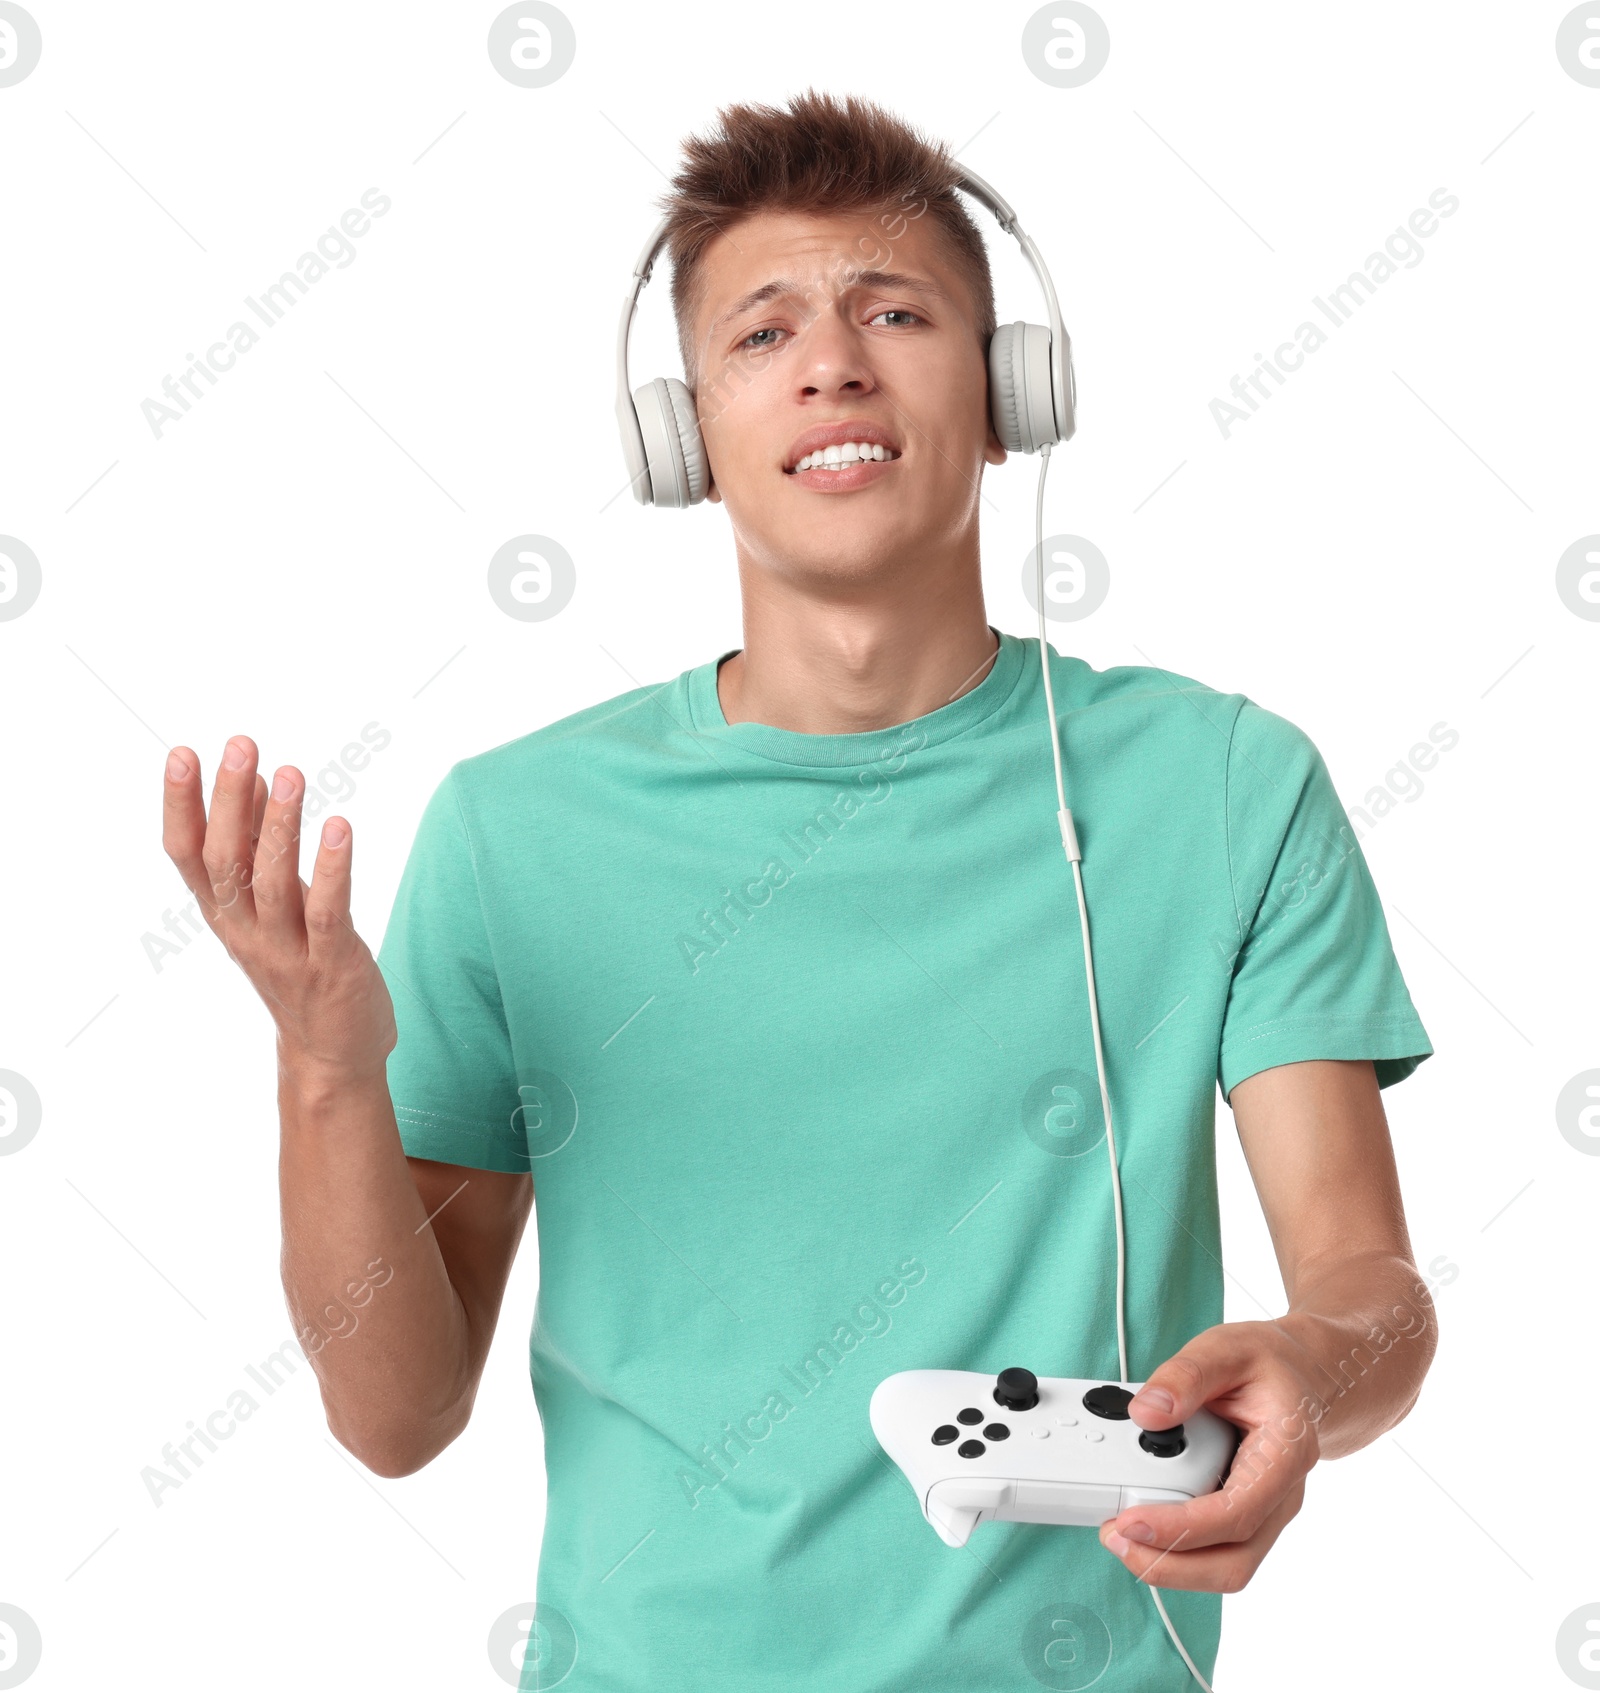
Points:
[(305, 553)]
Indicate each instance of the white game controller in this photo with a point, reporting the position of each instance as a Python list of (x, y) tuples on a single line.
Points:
[(1020, 1448)]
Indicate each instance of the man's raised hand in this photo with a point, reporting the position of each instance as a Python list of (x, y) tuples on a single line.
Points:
[(294, 942)]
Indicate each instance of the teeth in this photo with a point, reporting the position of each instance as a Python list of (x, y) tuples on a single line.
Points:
[(836, 458)]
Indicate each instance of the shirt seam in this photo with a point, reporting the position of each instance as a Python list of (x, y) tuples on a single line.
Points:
[(1320, 1019), (444, 1121), (1227, 825)]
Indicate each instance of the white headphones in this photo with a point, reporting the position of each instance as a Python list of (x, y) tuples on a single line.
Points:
[(1032, 390)]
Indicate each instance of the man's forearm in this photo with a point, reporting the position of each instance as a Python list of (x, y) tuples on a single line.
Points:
[(1367, 1326), (366, 1284)]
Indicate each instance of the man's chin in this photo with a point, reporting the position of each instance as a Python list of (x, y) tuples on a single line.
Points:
[(846, 538), (853, 558)]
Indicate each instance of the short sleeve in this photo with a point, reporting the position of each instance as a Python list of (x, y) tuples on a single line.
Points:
[(452, 1074), (1314, 974)]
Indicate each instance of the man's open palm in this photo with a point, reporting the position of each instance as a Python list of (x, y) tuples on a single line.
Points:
[(293, 940)]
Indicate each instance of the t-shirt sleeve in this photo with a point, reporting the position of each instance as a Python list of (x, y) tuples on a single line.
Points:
[(452, 1073), (1314, 973)]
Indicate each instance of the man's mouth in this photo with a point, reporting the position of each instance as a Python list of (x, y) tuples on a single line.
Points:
[(845, 452), (843, 456)]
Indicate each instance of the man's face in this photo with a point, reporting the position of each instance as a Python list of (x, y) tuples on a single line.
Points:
[(868, 336)]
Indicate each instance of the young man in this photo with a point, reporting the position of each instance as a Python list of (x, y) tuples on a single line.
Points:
[(770, 979)]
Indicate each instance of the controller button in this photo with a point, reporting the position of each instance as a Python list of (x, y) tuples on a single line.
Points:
[(997, 1431), (1163, 1442), (1111, 1402), (1093, 1434), (969, 1416), (1039, 1433), (1066, 1422), (1017, 1389), (971, 1449), (945, 1433)]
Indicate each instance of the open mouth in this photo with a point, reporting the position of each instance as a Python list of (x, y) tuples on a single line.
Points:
[(842, 457)]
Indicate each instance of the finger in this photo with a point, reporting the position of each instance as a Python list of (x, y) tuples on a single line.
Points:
[(1265, 1470), (1217, 1569), (280, 908), (227, 852), (1215, 1361), (1271, 1461), (328, 903), (183, 825)]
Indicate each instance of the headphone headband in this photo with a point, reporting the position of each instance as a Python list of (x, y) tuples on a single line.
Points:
[(1062, 381)]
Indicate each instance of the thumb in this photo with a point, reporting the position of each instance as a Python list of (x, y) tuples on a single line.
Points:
[(1206, 1368)]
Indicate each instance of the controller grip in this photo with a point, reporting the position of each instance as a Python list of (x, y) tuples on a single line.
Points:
[(956, 1507)]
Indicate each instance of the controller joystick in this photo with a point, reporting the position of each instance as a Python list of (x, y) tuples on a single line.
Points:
[(1110, 1402), (1017, 1389)]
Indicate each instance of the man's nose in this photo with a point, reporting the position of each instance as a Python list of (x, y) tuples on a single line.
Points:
[(833, 358)]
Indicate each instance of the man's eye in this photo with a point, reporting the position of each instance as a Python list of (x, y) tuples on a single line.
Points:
[(897, 311), (751, 338)]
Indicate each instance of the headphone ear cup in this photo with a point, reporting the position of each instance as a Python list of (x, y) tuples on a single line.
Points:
[(1003, 388), (1021, 399), (674, 450), (691, 442)]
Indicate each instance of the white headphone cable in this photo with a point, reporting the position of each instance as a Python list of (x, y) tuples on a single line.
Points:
[(1069, 841)]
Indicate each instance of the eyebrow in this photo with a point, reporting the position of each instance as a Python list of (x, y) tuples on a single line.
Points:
[(888, 280)]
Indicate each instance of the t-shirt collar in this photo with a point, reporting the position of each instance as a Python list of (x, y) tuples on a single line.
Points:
[(791, 746)]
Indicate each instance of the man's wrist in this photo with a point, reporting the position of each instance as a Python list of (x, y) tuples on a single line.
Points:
[(1317, 1337), (311, 1077), (1363, 1369)]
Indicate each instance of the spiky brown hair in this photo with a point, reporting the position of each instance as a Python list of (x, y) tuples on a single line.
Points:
[(823, 154)]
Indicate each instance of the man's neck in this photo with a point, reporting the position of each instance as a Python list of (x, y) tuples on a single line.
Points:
[(846, 667)]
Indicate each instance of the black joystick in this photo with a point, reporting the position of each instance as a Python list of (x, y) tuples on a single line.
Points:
[(1163, 1442), (1017, 1389), (1109, 1402)]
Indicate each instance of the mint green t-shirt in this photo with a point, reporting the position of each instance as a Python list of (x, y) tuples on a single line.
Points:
[(792, 1033)]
